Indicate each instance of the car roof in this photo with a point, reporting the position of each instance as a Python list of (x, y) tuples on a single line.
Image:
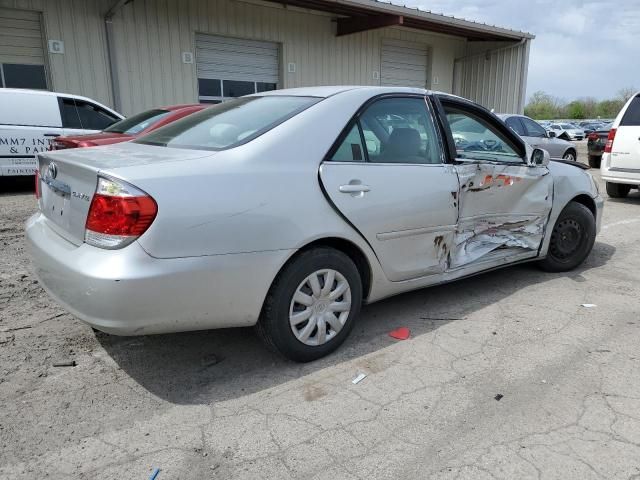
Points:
[(44, 93), (329, 91)]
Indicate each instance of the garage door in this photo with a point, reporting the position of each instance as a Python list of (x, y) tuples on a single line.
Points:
[(403, 64), (21, 49), (231, 67)]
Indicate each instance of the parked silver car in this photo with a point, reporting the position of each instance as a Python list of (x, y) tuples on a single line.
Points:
[(538, 137), (289, 209)]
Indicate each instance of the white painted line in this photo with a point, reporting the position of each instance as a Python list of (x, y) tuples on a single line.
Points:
[(621, 222)]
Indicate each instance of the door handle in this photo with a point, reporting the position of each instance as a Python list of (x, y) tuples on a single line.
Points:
[(354, 188), (51, 135)]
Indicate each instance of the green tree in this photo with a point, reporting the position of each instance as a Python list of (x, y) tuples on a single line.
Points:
[(576, 110)]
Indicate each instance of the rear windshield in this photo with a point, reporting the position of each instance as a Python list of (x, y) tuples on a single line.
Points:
[(228, 124), (631, 117), (137, 123)]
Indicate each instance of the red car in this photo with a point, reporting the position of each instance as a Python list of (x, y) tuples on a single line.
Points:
[(129, 128)]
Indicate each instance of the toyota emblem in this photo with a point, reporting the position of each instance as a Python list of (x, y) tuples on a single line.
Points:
[(52, 170)]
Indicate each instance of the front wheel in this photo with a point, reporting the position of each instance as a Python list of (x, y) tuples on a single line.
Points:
[(570, 155), (312, 305), (572, 239)]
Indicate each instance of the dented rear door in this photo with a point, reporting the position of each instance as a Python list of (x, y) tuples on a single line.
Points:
[(504, 202)]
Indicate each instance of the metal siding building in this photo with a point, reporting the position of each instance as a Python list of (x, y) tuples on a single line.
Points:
[(164, 52)]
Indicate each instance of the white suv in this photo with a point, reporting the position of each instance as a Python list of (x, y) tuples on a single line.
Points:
[(31, 119), (621, 158)]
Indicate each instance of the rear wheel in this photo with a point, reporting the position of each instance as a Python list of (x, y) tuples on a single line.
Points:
[(594, 161), (312, 305), (572, 239), (618, 190), (570, 155)]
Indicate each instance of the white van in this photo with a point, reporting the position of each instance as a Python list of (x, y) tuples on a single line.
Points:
[(31, 119), (620, 165)]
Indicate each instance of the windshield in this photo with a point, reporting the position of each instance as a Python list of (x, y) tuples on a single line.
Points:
[(137, 123), (229, 124), (567, 126)]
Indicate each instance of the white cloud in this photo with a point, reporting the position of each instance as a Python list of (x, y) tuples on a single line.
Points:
[(582, 47)]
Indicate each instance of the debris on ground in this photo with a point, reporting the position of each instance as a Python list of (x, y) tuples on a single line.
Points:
[(402, 333), (210, 360), (499, 397), (154, 475), (4, 338), (359, 378), (589, 305), (66, 363)]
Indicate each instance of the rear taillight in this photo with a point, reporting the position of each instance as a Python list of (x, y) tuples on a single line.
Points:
[(609, 145), (119, 214), (37, 184)]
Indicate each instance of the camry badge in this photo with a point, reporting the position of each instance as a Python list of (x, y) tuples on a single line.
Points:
[(52, 170)]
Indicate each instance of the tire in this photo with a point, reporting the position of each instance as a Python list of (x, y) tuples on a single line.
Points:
[(594, 161), (570, 155), (275, 327), (572, 239), (618, 190)]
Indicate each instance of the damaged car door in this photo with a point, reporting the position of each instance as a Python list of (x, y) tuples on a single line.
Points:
[(505, 199), (387, 175)]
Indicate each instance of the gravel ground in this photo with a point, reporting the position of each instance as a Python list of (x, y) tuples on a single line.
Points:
[(217, 405)]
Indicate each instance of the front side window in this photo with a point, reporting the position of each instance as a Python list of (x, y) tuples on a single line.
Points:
[(93, 117), (137, 123), (228, 124), (533, 129), (477, 139)]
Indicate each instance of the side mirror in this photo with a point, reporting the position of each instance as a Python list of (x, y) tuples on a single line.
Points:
[(540, 158), (551, 134)]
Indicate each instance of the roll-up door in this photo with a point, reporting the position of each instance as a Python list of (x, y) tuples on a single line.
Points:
[(231, 67), (404, 64), (21, 49)]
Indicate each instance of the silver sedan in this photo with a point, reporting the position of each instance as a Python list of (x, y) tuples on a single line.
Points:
[(287, 210)]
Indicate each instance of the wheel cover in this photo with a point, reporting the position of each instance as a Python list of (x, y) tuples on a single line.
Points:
[(566, 238), (320, 307), (569, 156)]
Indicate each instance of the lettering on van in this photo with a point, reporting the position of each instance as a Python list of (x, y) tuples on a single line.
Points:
[(25, 146)]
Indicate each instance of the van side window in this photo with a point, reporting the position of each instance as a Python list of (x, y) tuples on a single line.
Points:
[(69, 113), (93, 117)]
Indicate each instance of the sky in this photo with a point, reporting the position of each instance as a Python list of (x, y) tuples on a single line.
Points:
[(582, 48)]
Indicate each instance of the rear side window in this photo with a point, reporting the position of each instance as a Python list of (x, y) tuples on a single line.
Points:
[(228, 124), (631, 117), (514, 124), (137, 123)]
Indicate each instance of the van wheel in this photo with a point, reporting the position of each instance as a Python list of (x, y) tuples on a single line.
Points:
[(312, 305), (618, 190), (572, 239), (594, 161)]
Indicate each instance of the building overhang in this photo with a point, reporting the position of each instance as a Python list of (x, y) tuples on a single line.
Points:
[(361, 15)]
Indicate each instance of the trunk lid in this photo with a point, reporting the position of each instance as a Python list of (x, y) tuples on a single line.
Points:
[(68, 179)]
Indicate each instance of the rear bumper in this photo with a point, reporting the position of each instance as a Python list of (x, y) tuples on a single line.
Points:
[(128, 292), (628, 176)]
